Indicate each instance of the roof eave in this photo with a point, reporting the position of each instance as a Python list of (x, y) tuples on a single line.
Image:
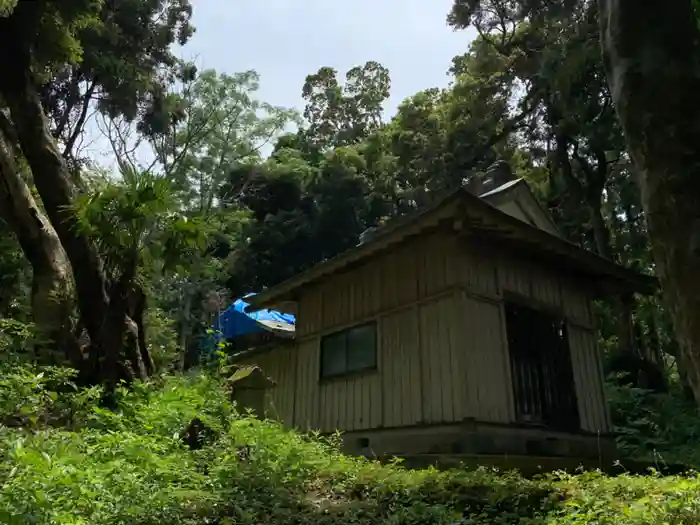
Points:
[(627, 280), (278, 329), (615, 275), (497, 196), (284, 292)]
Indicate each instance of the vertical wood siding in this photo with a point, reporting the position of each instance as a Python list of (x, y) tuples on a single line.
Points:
[(279, 364), (441, 356), (306, 407), (442, 346), (411, 272), (568, 296), (352, 403), (477, 269), (401, 368), (487, 386), (588, 376)]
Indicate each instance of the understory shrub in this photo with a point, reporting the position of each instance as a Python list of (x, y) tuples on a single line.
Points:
[(130, 466), (661, 428)]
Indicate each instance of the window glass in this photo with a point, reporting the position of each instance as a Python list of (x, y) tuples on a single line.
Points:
[(350, 350), (333, 355), (362, 347)]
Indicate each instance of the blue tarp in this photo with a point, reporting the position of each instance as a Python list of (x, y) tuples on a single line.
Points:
[(236, 321)]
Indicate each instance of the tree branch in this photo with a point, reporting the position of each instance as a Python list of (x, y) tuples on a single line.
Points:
[(71, 101), (77, 130)]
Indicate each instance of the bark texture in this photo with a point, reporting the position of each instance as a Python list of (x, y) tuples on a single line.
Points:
[(52, 181), (52, 281), (651, 57), (114, 353)]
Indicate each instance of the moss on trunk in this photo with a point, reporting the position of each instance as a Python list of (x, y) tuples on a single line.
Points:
[(53, 294), (651, 58)]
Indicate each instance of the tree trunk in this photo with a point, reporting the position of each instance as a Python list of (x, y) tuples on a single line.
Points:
[(112, 333), (601, 233), (52, 295), (52, 180), (186, 326), (137, 312), (120, 338), (627, 358), (651, 63), (622, 306)]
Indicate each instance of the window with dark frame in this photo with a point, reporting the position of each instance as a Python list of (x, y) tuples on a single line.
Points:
[(542, 373), (349, 351)]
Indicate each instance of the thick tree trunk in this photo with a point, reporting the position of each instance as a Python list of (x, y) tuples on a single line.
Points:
[(105, 318), (124, 357), (52, 286), (651, 57), (52, 180)]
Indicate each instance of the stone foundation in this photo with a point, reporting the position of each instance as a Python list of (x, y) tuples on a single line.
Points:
[(474, 439)]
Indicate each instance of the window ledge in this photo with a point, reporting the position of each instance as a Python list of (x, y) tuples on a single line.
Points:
[(349, 375)]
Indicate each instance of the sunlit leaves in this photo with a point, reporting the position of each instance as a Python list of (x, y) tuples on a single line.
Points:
[(128, 465), (340, 115), (138, 219), (218, 123), (51, 29), (181, 240), (115, 55), (7, 6)]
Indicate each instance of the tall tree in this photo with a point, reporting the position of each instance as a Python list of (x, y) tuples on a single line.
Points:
[(124, 48), (573, 129), (343, 114), (139, 230), (219, 125), (651, 58), (52, 296)]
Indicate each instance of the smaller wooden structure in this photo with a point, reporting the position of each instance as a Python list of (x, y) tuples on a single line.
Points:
[(250, 387), (463, 329)]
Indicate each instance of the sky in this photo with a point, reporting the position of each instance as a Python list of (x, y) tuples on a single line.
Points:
[(285, 40)]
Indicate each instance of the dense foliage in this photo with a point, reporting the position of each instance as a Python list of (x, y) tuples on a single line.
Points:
[(219, 219), (74, 463), (110, 279)]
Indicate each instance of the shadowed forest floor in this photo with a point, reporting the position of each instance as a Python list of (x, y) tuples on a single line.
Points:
[(73, 463)]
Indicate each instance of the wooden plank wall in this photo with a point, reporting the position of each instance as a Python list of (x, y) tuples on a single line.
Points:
[(442, 349), (380, 290), (306, 392), (487, 385), (280, 365), (588, 376), (568, 296), (401, 368), (409, 273)]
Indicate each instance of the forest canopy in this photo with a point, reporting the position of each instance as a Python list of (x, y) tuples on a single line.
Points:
[(237, 195), (111, 278)]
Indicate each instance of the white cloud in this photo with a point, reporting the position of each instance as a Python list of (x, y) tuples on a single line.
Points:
[(284, 40)]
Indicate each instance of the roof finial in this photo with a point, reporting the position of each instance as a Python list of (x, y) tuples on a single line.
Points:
[(497, 174)]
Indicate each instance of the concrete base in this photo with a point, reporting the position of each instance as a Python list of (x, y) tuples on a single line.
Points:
[(472, 441)]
